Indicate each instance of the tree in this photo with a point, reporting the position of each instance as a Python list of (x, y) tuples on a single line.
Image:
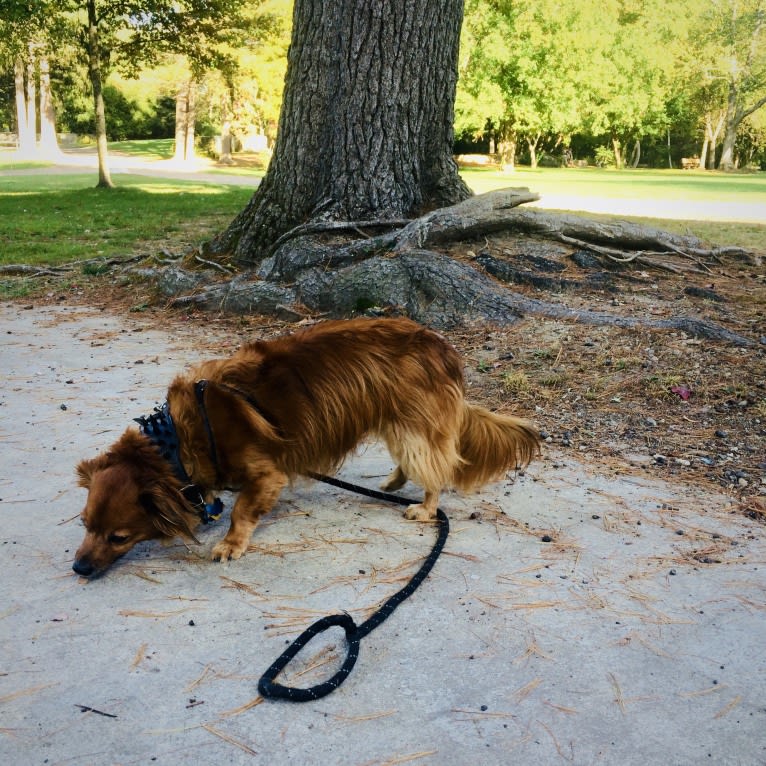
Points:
[(28, 35), (127, 33), (516, 73), (743, 28), (365, 130), (364, 143)]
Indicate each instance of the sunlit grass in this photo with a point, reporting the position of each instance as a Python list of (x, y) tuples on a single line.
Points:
[(61, 218), (747, 188)]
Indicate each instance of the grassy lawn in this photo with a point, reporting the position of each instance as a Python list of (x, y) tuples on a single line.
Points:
[(55, 219), (151, 149), (650, 185), (627, 184), (58, 218)]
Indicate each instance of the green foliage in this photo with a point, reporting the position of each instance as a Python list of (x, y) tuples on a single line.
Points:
[(610, 73)]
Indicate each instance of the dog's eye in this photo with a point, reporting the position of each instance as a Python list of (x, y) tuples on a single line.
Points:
[(117, 539)]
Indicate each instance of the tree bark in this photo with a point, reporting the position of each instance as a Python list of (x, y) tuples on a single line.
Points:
[(366, 123), (94, 72)]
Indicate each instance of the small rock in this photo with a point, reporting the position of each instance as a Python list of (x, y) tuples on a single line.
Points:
[(651, 422), (721, 434), (547, 539)]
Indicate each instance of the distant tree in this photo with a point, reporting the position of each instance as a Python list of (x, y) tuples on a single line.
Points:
[(128, 33), (28, 36), (740, 29)]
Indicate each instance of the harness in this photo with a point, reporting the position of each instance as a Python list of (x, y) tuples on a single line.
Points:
[(160, 429)]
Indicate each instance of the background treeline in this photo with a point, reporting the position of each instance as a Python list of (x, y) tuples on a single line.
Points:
[(613, 82)]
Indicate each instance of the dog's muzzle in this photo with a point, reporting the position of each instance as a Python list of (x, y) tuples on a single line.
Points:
[(83, 567)]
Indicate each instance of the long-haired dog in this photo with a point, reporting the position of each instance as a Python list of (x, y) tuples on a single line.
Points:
[(295, 405)]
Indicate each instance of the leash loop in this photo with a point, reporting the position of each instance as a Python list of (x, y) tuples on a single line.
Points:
[(267, 686)]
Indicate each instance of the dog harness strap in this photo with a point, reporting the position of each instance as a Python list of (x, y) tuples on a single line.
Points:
[(267, 685), (160, 429)]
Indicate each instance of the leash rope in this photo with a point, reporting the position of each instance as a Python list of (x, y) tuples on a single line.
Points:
[(268, 687)]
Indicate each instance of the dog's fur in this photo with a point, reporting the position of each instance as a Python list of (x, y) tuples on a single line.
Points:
[(319, 392)]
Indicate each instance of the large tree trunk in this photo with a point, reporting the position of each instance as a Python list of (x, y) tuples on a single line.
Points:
[(366, 125), (94, 71)]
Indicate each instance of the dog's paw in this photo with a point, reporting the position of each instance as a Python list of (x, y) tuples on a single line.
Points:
[(419, 512), (227, 550)]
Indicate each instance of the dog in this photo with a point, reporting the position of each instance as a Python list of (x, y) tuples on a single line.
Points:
[(282, 408)]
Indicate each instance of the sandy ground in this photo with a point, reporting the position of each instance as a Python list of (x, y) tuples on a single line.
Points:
[(634, 634)]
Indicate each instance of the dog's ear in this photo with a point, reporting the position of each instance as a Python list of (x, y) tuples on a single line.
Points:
[(169, 511), (87, 468)]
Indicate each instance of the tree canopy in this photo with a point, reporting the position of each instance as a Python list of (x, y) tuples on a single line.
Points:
[(606, 81)]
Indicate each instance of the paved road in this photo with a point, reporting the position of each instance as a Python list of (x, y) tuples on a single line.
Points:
[(577, 616)]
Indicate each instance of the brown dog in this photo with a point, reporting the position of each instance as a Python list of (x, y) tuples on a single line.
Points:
[(278, 409)]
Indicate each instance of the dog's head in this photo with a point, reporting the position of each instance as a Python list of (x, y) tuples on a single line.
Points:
[(132, 496)]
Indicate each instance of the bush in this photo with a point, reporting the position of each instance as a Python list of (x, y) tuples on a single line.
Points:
[(604, 157)]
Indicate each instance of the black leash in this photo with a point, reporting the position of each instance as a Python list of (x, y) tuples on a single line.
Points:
[(268, 687)]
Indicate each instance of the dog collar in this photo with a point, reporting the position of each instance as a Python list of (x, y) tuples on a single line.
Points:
[(160, 429)]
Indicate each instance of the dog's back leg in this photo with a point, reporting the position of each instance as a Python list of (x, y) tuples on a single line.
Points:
[(429, 459), (395, 480)]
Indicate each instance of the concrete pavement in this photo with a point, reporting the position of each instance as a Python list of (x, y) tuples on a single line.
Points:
[(578, 615)]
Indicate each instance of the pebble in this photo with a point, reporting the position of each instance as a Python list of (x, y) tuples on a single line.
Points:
[(651, 422)]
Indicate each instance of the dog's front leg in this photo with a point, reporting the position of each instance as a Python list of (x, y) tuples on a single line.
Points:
[(255, 499)]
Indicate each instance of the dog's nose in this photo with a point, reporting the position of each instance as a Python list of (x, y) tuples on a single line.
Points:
[(83, 568)]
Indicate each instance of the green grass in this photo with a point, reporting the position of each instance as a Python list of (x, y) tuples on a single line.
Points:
[(57, 219), (650, 185), (151, 149), (52, 219), (627, 184)]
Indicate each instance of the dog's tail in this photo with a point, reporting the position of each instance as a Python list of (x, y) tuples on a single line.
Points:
[(491, 444)]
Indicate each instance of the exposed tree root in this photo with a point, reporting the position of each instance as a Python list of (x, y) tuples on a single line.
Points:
[(312, 269)]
